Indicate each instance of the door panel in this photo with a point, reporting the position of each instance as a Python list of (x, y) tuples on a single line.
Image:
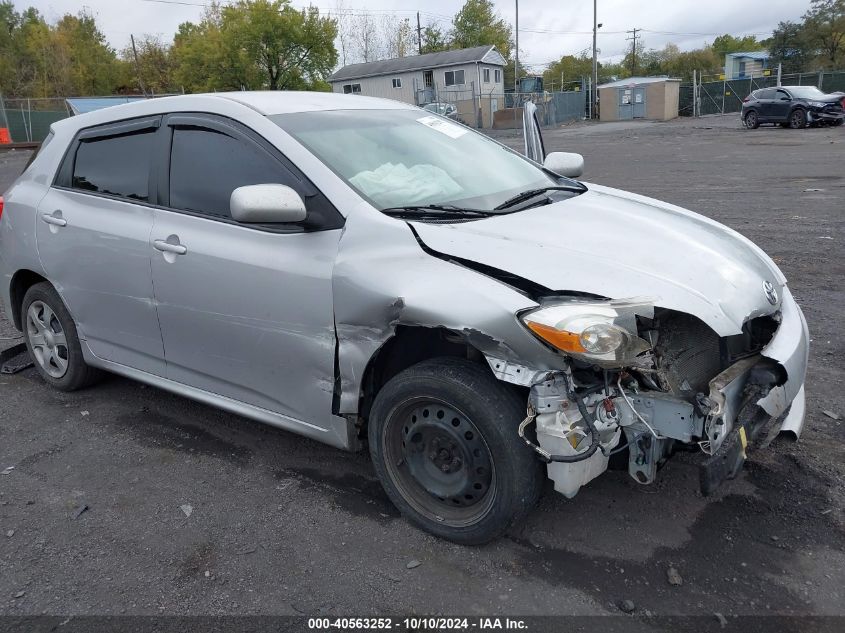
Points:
[(93, 233), (248, 314), (99, 261), (246, 311)]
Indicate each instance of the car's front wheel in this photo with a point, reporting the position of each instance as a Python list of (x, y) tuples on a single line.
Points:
[(798, 119), (443, 439), (751, 120), (52, 340)]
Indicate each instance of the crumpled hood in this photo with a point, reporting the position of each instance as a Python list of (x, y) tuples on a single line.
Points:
[(618, 244)]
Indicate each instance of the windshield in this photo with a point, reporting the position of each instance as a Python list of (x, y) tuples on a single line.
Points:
[(399, 158), (806, 92)]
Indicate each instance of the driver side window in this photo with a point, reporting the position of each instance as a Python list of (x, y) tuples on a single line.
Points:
[(206, 165)]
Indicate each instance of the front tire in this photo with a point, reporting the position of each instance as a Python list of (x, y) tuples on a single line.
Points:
[(52, 341), (752, 121), (443, 440), (798, 119)]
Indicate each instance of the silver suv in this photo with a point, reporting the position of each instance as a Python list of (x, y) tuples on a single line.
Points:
[(367, 274)]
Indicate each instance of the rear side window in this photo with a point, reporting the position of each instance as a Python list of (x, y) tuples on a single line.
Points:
[(207, 165), (115, 165)]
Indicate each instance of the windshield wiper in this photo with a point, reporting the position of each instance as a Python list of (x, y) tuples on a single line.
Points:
[(533, 193), (435, 210)]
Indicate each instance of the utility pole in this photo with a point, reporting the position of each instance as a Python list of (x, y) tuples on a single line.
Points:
[(419, 34), (516, 59), (137, 67), (593, 88), (633, 50)]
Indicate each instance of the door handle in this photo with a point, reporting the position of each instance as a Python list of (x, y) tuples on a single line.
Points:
[(167, 247), (55, 220)]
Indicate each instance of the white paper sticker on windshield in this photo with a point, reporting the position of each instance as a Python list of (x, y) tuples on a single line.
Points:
[(444, 127)]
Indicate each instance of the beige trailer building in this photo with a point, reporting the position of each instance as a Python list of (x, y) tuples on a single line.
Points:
[(653, 98)]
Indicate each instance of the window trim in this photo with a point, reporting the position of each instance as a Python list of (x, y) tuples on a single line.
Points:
[(160, 158), (497, 75), (243, 133), (486, 75), (351, 90), (397, 82), (63, 178), (454, 77)]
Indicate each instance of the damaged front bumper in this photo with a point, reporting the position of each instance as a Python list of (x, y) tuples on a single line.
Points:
[(743, 400)]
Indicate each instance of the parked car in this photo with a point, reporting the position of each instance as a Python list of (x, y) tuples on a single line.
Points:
[(444, 109), (358, 272), (792, 106)]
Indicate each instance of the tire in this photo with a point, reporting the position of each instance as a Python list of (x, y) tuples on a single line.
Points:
[(837, 122), (798, 119), (751, 120), (52, 341), (443, 440)]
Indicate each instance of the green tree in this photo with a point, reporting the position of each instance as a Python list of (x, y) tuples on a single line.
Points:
[(154, 70), (568, 69), (725, 44), (789, 47), (434, 39), (824, 25), (478, 24), (289, 48)]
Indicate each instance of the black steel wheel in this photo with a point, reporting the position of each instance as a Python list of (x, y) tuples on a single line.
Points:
[(443, 438), (798, 119)]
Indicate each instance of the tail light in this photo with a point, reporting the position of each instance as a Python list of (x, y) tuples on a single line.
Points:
[(1, 206), (747, 99)]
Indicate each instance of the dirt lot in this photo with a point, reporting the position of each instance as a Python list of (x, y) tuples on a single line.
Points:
[(282, 525)]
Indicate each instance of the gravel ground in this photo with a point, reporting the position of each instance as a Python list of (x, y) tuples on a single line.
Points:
[(281, 525)]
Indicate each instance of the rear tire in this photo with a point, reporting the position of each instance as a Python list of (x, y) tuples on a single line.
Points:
[(798, 119), (443, 440), (52, 340), (751, 120)]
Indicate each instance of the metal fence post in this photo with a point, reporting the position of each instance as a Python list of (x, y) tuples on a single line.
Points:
[(724, 88), (821, 79)]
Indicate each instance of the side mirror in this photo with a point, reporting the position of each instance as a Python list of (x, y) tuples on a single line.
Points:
[(565, 164), (266, 204)]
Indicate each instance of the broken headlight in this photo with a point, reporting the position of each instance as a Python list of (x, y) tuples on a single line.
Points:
[(603, 332)]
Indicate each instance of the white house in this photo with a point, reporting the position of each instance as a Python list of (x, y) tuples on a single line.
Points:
[(467, 74)]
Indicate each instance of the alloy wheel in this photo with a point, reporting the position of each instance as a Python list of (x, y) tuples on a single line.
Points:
[(47, 339)]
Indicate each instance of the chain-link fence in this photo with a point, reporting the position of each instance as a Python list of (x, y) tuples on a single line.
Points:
[(725, 96), (504, 110), (29, 120)]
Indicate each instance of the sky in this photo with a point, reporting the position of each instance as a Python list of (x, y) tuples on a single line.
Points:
[(547, 29)]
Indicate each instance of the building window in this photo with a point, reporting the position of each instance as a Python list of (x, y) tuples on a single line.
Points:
[(454, 77), (397, 82), (352, 89), (498, 76), (487, 75)]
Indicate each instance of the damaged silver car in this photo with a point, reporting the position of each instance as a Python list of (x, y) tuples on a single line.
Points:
[(367, 274)]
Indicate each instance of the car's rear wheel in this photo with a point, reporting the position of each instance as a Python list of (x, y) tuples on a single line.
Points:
[(837, 122), (443, 439), (798, 119), (751, 120), (51, 338)]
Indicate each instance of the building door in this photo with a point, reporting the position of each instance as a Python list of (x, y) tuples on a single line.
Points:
[(626, 106), (639, 103)]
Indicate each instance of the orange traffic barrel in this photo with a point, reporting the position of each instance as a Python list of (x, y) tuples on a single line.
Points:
[(5, 139)]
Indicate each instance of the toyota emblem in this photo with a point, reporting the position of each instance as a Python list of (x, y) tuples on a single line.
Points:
[(770, 292)]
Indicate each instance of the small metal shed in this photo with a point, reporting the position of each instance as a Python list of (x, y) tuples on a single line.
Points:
[(653, 98)]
